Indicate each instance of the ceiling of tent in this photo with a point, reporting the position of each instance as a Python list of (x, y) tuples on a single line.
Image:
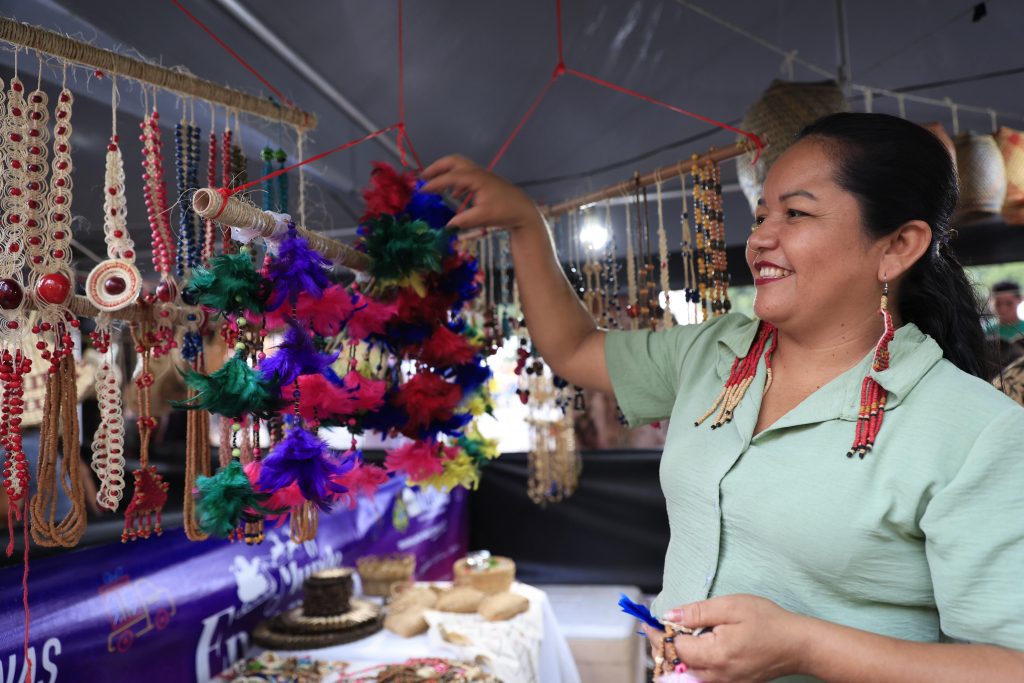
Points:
[(472, 69)]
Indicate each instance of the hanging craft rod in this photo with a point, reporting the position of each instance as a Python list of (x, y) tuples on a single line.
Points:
[(135, 313), (209, 203), (72, 50), (625, 187)]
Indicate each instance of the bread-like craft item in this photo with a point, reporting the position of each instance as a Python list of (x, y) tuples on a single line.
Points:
[(413, 597), (407, 623), (502, 606), (460, 599)]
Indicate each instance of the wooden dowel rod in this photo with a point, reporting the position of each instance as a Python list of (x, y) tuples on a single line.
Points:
[(72, 50), (135, 313), (209, 203), (626, 187)]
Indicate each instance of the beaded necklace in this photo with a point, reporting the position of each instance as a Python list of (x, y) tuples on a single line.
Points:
[(663, 258), (14, 363), (632, 309), (688, 255)]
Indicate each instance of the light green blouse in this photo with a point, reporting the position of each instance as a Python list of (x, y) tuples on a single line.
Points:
[(922, 539)]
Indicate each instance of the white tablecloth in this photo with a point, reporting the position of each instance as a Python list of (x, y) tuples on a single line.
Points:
[(535, 650)]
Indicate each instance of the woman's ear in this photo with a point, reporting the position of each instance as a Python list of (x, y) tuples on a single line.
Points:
[(903, 248)]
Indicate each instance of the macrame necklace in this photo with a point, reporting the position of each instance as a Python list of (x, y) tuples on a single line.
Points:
[(210, 228), (155, 194), (14, 363), (632, 300), (48, 230), (688, 256), (648, 303), (553, 460), (142, 516), (663, 272)]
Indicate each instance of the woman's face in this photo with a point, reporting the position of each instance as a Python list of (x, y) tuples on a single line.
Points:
[(814, 266)]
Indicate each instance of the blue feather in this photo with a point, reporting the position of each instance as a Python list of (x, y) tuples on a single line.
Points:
[(640, 612)]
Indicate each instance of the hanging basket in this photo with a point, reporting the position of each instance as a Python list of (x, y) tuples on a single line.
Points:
[(781, 112), (982, 178), (1011, 145)]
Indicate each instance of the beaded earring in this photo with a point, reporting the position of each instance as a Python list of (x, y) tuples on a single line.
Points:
[(872, 395)]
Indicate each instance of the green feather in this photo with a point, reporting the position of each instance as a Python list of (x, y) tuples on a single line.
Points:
[(231, 391), (225, 498), (403, 250), (231, 284)]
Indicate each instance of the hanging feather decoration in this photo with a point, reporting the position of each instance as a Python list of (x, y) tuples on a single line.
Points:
[(444, 348), (323, 400), (429, 208), (302, 458), (402, 252), (458, 469), (231, 391), (419, 460), (370, 317), (388, 193), (461, 279), (481, 449), (282, 500), (326, 315), (470, 377), (225, 499), (361, 480), (296, 269), (230, 285), (296, 355), (427, 398)]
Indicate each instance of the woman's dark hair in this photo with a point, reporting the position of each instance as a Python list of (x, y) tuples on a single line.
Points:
[(900, 172)]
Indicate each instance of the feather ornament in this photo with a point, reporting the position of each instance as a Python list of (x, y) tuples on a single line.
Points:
[(427, 398), (361, 480), (231, 391), (403, 252), (419, 460), (296, 269), (428, 207), (225, 499), (230, 285), (301, 457), (640, 612), (296, 355), (389, 191)]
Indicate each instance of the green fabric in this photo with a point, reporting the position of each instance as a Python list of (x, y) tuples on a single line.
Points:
[(922, 539), (1010, 333)]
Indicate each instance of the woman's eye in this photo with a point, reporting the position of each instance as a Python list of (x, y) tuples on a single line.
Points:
[(794, 213), (758, 220)]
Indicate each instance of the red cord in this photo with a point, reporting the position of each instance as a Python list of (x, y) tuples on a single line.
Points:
[(529, 112), (618, 88), (558, 19), (234, 54), (416, 157), (352, 143)]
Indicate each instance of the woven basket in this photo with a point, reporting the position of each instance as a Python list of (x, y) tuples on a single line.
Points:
[(982, 178), (496, 578), (782, 111), (1011, 146), (380, 573)]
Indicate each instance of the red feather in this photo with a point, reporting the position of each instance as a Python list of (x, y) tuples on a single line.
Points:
[(325, 315), (427, 397), (282, 499), (369, 317), (361, 480), (321, 398), (419, 459), (368, 392), (389, 191), (444, 348)]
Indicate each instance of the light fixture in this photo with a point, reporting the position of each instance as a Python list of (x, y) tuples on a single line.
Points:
[(593, 234)]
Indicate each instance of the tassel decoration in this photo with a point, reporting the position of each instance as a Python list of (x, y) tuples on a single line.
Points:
[(230, 285), (226, 499), (231, 391), (297, 269), (302, 458)]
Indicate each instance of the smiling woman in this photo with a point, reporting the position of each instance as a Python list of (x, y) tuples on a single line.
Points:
[(798, 562)]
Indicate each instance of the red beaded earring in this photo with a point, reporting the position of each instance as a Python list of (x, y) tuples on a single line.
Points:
[(872, 395)]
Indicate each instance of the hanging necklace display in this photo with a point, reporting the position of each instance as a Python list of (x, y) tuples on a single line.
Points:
[(142, 516), (700, 226), (14, 363), (155, 194), (553, 461), (48, 231), (209, 227), (712, 270), (663, 272), (643, 267), (721, 269), (610, 276), (632, 309), (687, 254)]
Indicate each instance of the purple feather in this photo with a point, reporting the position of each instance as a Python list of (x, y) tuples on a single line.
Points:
[(297, 269), (302, 457), (295, 356)]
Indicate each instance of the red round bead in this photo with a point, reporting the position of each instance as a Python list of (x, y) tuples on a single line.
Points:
[(53, 288), (115, 285), (11, 294)]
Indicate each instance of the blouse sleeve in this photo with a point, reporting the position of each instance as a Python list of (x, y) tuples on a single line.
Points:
[(646, 367), (974, 539)]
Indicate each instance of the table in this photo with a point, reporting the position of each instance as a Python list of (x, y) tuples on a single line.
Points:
[(534, 650)]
